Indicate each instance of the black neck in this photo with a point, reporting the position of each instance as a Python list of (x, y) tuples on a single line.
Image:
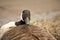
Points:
[(19, 23)]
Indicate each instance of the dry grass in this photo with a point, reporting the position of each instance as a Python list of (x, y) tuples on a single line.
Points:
[(27, 32), (13, 14), (53, 26)]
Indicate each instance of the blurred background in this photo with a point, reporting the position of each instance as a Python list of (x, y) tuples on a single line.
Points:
[(44, 13), (10, 10)]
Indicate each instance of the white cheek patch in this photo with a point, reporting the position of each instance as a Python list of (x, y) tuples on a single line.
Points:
[(27, 21), (6, 27)]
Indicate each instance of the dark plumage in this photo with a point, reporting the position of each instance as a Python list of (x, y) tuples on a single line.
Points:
[(26, 13), (20, 23), (25, 18)]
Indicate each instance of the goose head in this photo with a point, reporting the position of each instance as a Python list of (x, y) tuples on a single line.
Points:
[(26, 16)]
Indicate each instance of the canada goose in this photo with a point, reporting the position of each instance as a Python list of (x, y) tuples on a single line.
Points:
[(25, 20)]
